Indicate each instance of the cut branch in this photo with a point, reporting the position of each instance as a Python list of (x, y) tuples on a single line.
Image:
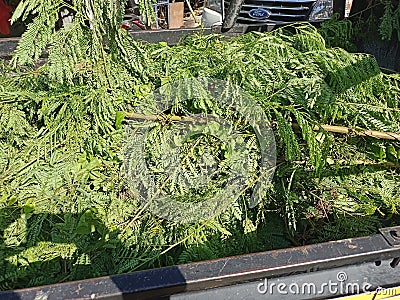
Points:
[(329, 128), (357, 131)]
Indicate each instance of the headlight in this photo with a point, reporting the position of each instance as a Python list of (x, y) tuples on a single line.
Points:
[(322, 10), (214, 5)]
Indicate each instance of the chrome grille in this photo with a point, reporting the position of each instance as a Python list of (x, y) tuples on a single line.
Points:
[(281, 11)]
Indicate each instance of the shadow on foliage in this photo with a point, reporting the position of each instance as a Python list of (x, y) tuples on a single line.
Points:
[(67, 243)]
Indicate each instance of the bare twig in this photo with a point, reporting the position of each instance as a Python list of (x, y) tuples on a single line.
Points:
[(357, 131), (329, 128)]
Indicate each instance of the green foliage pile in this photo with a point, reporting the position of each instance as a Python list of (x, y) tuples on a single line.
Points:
[(66, 211), (375, 18), (390, 20), (340, 33)]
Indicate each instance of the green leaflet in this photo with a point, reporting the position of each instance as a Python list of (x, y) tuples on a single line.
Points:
[(286, 133), (316, 153)]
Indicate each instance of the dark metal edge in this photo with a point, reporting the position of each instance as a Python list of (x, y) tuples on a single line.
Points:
[(167, 281), (391, 234)]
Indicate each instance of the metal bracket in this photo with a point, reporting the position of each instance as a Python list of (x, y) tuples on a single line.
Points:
[(391, 235)]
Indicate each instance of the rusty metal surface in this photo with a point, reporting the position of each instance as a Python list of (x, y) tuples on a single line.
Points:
[(322, 284), (228, 271)]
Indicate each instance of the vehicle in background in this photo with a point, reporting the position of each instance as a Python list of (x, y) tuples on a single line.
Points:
[(266, 14), (5, 14)]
